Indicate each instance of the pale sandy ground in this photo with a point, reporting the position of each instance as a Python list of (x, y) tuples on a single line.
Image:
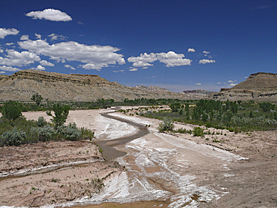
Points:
[(179, 170)]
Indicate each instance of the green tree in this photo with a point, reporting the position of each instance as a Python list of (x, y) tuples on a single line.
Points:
[(12, 110), (37, 98), (61, 113), (187, 111), (175, 107), (266, 106)]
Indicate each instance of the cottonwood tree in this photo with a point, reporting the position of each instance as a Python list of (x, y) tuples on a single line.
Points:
[(61, 113), (37, 98)]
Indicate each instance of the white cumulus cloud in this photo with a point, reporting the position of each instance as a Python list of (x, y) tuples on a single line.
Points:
[(93, 56), (230, 81), (46, 63), (38, 36), (50, 14), (4, 32), (24, 37), (15, 58), (70, 67), (8, 68), (133, 69), (206, 61), (170, 59), (198, 84), (56, 37), (39, 67), (206, 53), (191, 50)]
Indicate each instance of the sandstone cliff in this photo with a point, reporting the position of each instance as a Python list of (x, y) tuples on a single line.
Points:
[(70, 87), (259, 86)]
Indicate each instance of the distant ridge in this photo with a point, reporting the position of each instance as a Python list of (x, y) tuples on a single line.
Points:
[(258, 86), (71, 87)]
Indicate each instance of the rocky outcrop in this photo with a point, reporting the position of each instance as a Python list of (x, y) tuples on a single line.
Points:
[(259, 86), (70, 87)]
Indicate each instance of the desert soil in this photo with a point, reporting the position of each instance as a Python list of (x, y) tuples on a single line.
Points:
[(223, 169)]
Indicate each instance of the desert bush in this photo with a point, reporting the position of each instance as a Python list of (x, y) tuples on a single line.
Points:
[(44, 133), (197, 131), (41, 121), (87, 133), (167, 125), (71, 132), (13, 138), (12, 110)]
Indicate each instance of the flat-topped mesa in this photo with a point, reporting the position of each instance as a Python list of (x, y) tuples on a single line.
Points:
[(260, 81), (42, 76), (259, 86)]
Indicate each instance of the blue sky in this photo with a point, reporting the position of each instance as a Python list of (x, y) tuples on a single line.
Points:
[(177, 44)]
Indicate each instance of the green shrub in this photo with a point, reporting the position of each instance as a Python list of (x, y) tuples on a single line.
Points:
[(87, 133), (14, 137), (41, 121), (71, 132), (44, 133), (197, 131), (12, 110), (167, 125)]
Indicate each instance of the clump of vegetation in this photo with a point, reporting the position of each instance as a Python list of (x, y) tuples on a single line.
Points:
[(70, 132), (61, 113), (197, 131), (167, 125), (37, 98), (12, 110), (234, 116), (13, 138)]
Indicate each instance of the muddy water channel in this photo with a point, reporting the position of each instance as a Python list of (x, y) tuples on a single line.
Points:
[(163, 170)]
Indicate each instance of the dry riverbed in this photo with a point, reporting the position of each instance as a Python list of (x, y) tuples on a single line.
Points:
[(223, 169)]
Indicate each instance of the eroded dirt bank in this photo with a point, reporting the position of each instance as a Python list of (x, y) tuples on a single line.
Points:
[(52, 173)]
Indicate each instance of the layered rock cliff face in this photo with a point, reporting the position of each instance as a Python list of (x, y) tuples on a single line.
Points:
[(259, 86), (73, 87)]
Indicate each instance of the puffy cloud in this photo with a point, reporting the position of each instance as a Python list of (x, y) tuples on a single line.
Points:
[(133, 69), (143, 60), (8, 44), (93, 57), (46, 63), (4, 32), (173, 59), (70, 67), (15, 58), (170, 59), (56, 37), (50, 14), (24, 37), (39, 67), (230, 81), (198, 84), (218, 83), (206, 53), (233, 84), (38, 36), (191, 50), (206, 61), (8, 68)]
